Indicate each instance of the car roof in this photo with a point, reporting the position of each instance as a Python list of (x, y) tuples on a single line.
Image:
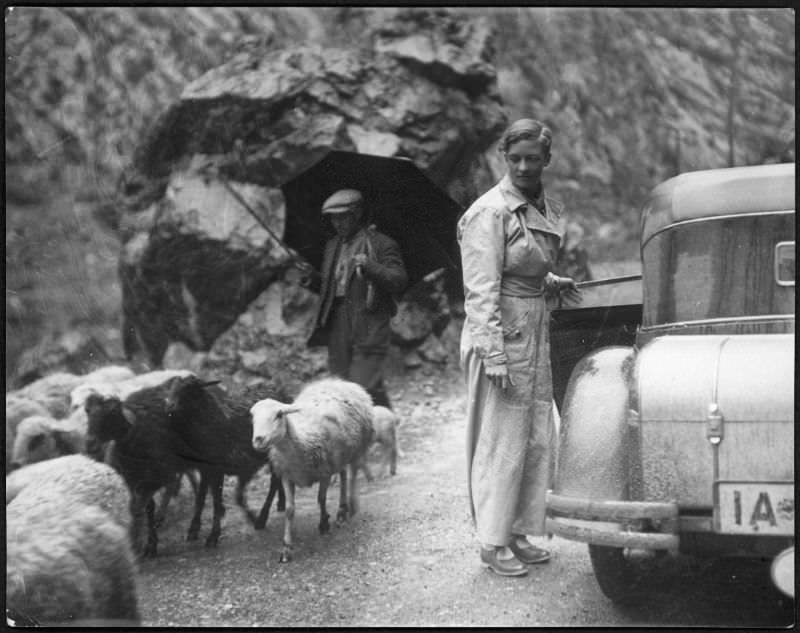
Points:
[(719, 192)]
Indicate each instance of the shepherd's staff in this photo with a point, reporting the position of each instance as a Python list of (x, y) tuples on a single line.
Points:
[(295, 259)]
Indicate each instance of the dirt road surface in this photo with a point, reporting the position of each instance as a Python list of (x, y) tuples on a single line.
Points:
[(409, 557)]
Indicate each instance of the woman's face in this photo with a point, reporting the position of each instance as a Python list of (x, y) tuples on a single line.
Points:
[(525, 161)]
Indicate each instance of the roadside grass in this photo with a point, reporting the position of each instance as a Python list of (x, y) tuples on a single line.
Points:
[(60, 273)]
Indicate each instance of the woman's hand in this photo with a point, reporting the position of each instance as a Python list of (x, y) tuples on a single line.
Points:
[(499, 376), (562, 287), (568, 290)]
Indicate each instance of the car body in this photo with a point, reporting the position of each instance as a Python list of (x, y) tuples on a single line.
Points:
[(677, 420)]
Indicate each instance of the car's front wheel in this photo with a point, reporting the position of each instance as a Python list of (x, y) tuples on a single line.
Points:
[(620, 573)]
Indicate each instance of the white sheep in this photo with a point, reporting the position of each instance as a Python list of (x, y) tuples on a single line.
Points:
[(41, 437), (385, 423), (68, 551), (50, 396), (52, 392), (17, 409), (120, 386), (111, 372), (326, 430)]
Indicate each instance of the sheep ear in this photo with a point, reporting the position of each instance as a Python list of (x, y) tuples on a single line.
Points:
[(288, 410), (209, 383), (129, 416)]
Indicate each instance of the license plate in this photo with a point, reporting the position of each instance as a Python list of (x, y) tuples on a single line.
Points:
[(754, 508)]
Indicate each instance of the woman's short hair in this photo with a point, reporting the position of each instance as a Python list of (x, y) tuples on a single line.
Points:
[(526, 129)]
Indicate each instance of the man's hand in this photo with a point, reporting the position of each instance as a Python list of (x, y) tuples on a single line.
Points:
[(306, 271), (362, 263), (499, 376)]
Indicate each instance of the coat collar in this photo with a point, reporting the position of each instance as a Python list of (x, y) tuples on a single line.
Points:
[(516, 201)]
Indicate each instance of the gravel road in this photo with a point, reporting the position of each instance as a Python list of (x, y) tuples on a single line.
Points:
[(409, 558)]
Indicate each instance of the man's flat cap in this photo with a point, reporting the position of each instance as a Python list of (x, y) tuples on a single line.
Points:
[(342, 201)]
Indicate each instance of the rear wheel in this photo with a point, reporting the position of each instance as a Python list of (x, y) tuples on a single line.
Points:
[(620, 573)]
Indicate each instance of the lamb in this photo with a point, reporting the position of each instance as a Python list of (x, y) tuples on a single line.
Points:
[(216, 428), (326, 430), (385, 423), (69, 556)]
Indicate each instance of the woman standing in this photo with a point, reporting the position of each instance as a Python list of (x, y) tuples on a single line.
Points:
[(509, 239)]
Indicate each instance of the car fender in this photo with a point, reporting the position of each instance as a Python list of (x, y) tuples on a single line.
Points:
[(594, 438)]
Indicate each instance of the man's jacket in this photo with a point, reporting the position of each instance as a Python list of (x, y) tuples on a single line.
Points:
[(368, 320)]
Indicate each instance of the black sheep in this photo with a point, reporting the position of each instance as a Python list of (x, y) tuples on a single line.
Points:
[(140, 446), (218, 427)]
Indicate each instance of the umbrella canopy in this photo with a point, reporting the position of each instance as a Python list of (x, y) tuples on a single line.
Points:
[(399, 199)]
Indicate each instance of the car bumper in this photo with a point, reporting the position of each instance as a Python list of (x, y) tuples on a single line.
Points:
[(614, 523)]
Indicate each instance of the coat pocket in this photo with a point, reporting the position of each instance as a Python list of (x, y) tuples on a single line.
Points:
[(515, 318)]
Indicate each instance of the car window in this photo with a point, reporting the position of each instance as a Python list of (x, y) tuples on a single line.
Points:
[(720, 268)]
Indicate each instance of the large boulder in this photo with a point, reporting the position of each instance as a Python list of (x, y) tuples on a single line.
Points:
[(201, 213)]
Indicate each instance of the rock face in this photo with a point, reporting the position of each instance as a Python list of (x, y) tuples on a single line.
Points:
[(202, 212), (632, 95), (636, 95)]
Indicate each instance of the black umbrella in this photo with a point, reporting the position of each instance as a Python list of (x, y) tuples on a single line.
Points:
[(399, 199)]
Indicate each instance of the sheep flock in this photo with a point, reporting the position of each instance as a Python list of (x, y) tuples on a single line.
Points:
[(88, 456)]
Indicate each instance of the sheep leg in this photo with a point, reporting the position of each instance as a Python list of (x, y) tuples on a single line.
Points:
[(152, 535), (170, 491), (276, 481), (217, 480), (353, 492), (393, 459), (365, 467), (322, 498), (241, 500), (342, 515), (143, 536), (275, 486), (190, 475), (199, 502), (286, 553)]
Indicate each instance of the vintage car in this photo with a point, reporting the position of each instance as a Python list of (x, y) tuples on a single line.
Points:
[(677, 418)]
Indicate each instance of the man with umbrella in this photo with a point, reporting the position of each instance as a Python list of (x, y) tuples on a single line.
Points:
[(362, 272)]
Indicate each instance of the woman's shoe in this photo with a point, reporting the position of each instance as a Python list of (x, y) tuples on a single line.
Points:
[(507, 567), (529, 554)]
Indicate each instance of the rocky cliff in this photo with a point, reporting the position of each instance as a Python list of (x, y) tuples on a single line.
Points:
[(632, 94), (121, 107)]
